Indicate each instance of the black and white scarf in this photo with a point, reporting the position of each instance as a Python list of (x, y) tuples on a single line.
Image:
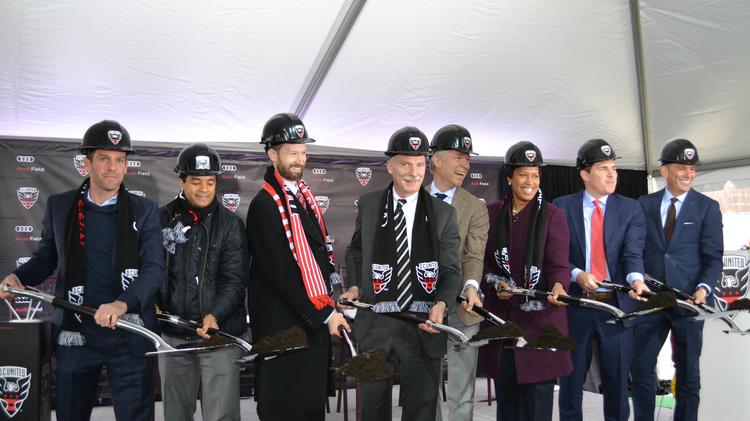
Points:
[(423, 254), (126, 259), (182, 218), (534, 250)]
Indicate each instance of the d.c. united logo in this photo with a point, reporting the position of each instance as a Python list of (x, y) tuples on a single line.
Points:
[(363, 174), (300, 130), (415, 142), (28, 196), (467, 142), (381, 276), (114, 136), (530, 155), (689, 153), (15, 383), (323, 203), (734, 280), (427, 274), (606, 150), (127, 277), (230, 201), (78, 162)]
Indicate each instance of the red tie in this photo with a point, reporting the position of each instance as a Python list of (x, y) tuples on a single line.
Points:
[(598, 259)]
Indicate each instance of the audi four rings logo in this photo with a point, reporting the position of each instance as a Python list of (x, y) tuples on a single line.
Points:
[(476, 175), (319, 171), (25, 159), (134, 164), (228, 167), (24, 228)]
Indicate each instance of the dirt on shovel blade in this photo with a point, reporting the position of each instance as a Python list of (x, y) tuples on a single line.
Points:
[(552, 338), (368, 366), (508, 330), (213, 341), (294, 337), (741, 304), (662, 299)]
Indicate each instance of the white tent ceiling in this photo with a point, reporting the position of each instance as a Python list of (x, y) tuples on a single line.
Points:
[(553, 72)]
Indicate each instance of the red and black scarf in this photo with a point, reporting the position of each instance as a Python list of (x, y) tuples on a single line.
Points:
[(312, 278), (423, 257), (126, 259)]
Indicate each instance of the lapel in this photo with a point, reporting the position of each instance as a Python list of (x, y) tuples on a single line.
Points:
[(611, 223), (686, 213), (460, 203), (576, 211), (654, 209)]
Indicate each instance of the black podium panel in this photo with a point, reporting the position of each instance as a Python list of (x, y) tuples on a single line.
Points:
[(25, 370)]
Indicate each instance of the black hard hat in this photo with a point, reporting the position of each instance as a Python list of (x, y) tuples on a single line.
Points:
[(408, 141), (198, 159), (452, 137), (106, 134), (593, 151), (284, 128), (680, 151), (523, 154)]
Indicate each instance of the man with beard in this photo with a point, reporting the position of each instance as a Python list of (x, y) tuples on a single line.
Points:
[(606, 244), (205, 250), (403, 257), (104, 244), (292, 260), (684, 249), (450, 158)]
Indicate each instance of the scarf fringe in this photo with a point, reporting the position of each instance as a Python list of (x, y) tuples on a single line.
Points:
[(420, 307), (132, 318), (386, 307), (71, 338), (322, 301)]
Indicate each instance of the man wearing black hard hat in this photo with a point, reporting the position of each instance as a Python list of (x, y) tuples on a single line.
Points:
[(684, 248), (450, 161), (404, 257), (290, 270), (205, 250), (105, 245), (606, 242)]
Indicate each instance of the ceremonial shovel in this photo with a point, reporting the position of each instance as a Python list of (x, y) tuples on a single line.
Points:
[(161, 346), (497, 321), (410, 318), (367, 366), (582, 302), (700, 310)]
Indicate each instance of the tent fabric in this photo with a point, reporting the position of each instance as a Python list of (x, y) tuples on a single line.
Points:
[(556, 73)]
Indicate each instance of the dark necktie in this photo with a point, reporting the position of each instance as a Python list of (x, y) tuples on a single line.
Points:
[(301, 199), (441, 196), (598, 259), (669, 223), (402, 258)]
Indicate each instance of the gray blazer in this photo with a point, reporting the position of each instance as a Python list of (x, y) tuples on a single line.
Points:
[(359, 263)]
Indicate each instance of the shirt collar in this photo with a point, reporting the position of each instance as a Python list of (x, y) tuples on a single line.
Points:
[(409, 199), (589, 199), (291, 185), (111, 201), (668, 196), (450, 192)]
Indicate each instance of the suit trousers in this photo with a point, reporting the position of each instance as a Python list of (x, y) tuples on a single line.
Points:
[(214, 372), (79, 369), (650, 335), (521, 402), (615, 354), (462, 372), (418, 373)]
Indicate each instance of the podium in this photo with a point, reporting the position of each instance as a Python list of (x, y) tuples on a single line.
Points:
[(25, 370)]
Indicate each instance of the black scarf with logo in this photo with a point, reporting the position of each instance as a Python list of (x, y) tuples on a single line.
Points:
[(182, 217), (126, 258), (535, 236), (423, 254)]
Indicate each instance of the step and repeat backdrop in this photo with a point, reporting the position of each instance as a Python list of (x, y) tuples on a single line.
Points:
[(31, 171)]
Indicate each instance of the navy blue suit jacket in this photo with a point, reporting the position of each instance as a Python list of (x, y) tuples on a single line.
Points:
[(694, 254), (624, 237), (50, 257)]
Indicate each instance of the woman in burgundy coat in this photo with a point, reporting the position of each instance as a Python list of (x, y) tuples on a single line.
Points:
[(527, 247)]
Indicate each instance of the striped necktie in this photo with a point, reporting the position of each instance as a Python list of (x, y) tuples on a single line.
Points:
[(402, 258)]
